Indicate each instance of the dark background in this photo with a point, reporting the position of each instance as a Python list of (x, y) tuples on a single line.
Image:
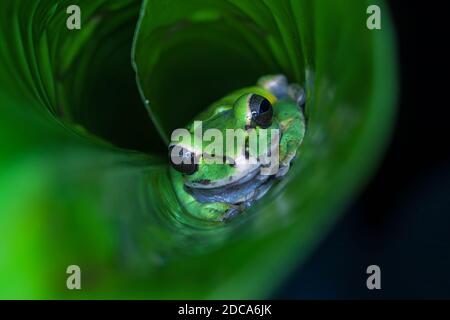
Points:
[(401, 220)]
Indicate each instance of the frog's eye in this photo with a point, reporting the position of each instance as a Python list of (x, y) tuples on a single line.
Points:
[(261, 111), (182, 160)]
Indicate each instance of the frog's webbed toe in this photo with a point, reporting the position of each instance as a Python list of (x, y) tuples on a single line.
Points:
[(283, 170), (230, 213)]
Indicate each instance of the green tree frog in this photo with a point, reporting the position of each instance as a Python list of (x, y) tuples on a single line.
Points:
[(216, 191)]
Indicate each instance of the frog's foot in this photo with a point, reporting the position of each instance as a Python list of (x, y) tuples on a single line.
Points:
[(258, 194), (282, 170), (209, 211), (230, 213), (289, 150)]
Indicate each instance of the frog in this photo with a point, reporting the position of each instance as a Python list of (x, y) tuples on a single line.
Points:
[(219, 191)]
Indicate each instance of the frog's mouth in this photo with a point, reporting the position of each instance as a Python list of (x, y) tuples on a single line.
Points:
[(248, 188)]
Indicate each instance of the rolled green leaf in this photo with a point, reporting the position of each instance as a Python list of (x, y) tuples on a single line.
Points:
[(83, 170)]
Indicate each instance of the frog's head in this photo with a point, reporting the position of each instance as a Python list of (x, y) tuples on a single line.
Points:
[(214, 168)]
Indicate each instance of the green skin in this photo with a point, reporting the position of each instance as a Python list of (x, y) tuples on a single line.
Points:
[(231, 112)]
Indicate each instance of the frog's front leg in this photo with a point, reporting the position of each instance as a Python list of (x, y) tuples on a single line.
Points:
[(293, 130), (212, 211)]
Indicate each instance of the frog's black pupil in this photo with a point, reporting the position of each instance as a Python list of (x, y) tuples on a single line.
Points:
[(261, 110), (182, 160), (265, 106)]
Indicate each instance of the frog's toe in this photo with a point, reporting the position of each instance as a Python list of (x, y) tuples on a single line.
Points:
[(230, 213), (275, 84), (282, 170)]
